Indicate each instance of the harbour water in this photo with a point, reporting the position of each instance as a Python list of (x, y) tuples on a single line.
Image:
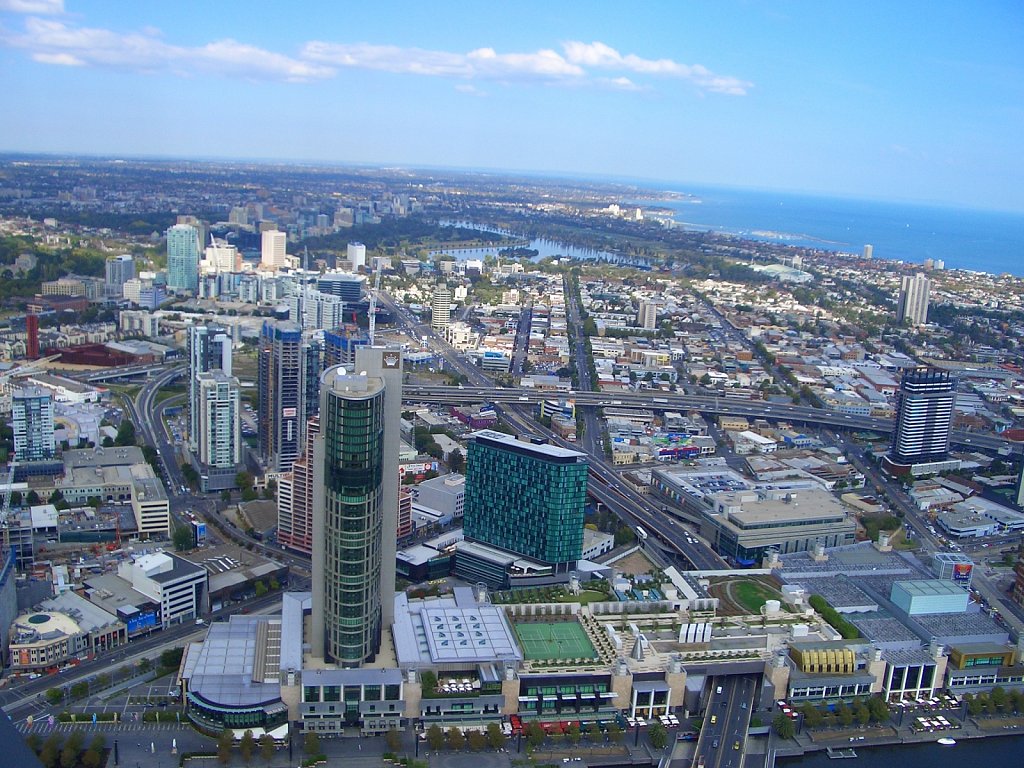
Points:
[(997, 751), (984, 241)]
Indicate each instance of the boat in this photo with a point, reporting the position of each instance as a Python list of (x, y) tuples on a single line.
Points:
[(947, 742)]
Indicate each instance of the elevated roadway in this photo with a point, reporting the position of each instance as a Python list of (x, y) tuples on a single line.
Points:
[(725, 406)]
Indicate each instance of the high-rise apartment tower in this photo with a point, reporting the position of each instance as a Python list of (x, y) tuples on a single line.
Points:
[(913, 302), (183, 258)]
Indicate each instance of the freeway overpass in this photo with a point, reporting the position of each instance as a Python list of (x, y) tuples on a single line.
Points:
[(726, 406)]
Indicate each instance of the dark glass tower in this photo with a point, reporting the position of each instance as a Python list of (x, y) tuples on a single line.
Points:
[(924, 415), (525, 498)]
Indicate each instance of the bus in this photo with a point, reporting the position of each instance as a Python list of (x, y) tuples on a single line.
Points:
[(641, 533)]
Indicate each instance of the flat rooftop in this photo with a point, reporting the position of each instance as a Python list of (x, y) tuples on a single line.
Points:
[(448, 630), (103, 457), (512, 443)]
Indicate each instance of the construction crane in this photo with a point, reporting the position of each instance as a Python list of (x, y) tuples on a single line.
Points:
[(5, 536), (8, 376), (372, 311)]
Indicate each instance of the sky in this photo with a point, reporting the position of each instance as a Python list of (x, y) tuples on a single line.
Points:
[(908, 100)]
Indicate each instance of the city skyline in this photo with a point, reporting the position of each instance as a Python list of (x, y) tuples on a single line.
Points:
[(904, 103)]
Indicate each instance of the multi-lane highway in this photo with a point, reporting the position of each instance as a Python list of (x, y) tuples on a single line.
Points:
[(723, 738)]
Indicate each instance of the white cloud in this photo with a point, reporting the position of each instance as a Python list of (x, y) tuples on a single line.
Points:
[(598, 55), (482, 63), (53, 42), (36, 7)]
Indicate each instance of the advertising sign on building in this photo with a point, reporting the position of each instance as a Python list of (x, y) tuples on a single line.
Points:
[(962, 573)]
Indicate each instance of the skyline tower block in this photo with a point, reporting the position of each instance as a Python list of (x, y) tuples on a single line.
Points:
[(295, 498), (281, 411), (525, 498), (355, 507), (273, 249), (356, 255), (183, 258), (32, 416), (220, 438), (912, 307), (441, 307), (924, 416), (209, 349)]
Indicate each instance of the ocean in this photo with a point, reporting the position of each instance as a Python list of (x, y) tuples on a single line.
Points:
[(983, 241), (999, 752)]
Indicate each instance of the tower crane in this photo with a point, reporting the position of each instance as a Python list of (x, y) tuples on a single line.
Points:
[(372, 312)]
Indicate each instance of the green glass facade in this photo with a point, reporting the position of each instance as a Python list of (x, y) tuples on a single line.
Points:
[(525, 498), (353, 431)]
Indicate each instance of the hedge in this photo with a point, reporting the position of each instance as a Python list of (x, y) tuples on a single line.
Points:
[(833, 617)]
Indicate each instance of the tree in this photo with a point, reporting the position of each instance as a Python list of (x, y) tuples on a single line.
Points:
[(435, 737), (79, 690), (783, 726), (999, 698), (862, 713), (55, 696), (49, 755), (974, 704), (844, 714), (573, 733), (91, 758), (614, 732), (98, 743), (247, 746), (182, 537), (534, 734), (225, 496), (72, 749), (879, 709), (311, 744), (145, 665), (812, 715), (594, 733), (393, 739), (32, 498), (455, 738), (225, 742), (170, 658), (35, 742), (243, 480), (657, 735), (267, 747), (125, 433), (495, 738), (456, 461), (477, 740), (428, 681)]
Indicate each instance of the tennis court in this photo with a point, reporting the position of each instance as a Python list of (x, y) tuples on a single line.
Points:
[(556, 640)]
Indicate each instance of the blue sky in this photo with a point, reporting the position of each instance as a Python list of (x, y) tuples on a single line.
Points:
[(888, 100)]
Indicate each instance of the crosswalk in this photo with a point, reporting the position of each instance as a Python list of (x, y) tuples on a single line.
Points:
[(42, 726)]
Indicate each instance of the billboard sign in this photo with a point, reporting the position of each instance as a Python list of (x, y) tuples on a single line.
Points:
[(962, 573)]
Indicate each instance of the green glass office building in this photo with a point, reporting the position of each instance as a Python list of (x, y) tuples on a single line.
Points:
[(525, 498)]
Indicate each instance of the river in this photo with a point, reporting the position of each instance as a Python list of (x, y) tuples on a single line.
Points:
[(545, 248), (999, 752)]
